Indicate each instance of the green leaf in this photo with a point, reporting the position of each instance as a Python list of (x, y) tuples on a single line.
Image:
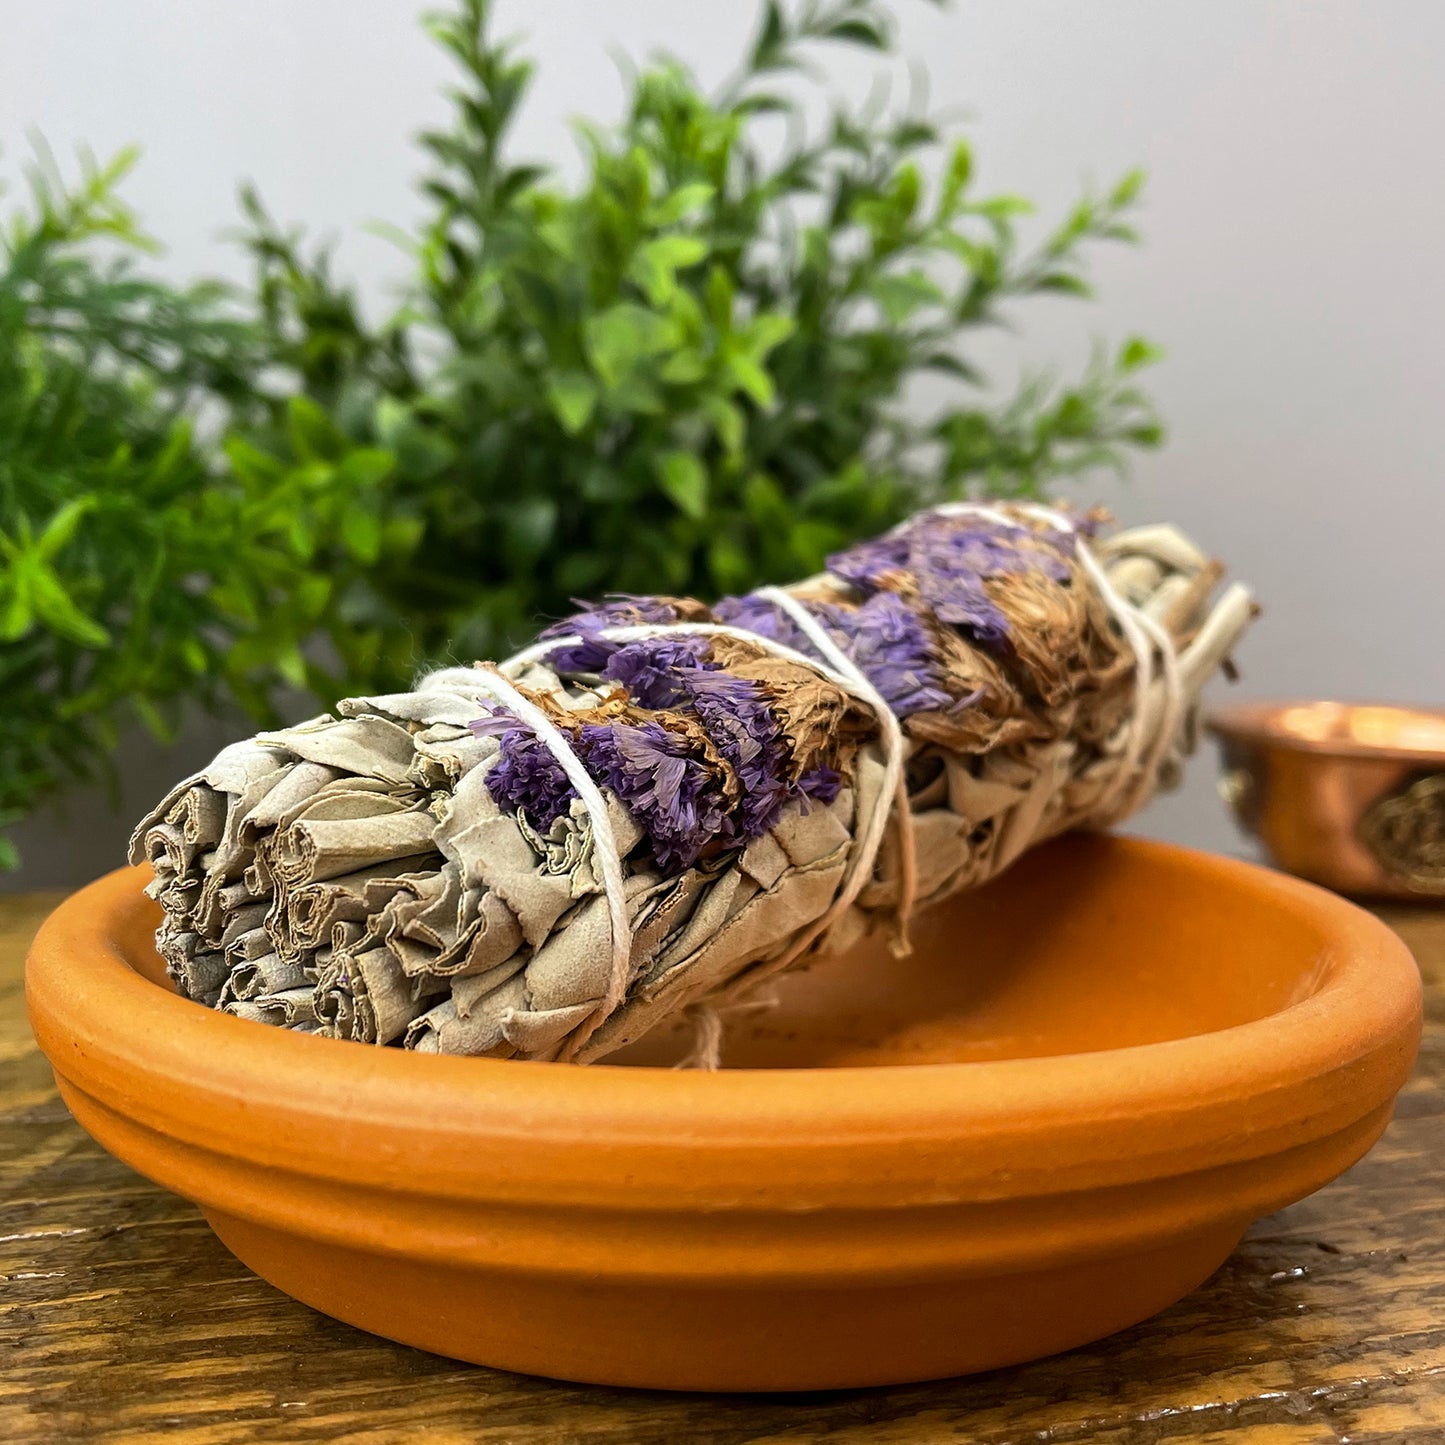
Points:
[(719, 294), (572, 396), (1137, 353), (731, 567), (770, 37), (54, 606), (728, 424), (300, 536), (683, 368), (605, 485), (901, 294), (394, 418), (365, 467), (1128, 190), (152, 718), (315, 478), (656, 262), (956, 177), (421, 452), (1003, 208), (621, 336), (751, 378), (904, 192), (768, 331), (292, 666), (638, 395), (250, 654), (765, 503), (401, 536), (312, 433), (62, 527), (251, 465), (867, 33), (677, 252), (677, 205), (684, 481), (946, 361), (530, 524), (811, 542), (197, 659), (361, 533), (16, 615), (170, 462), (311, 594), (1064, 282)]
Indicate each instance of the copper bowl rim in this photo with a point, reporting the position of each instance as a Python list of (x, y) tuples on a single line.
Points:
[(1259, 722)]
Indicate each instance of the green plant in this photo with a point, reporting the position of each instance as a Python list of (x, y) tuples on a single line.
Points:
[(132, 570), (686, 372)]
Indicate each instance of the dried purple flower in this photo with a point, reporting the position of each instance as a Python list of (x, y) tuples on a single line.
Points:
[(821, 784), (619, 610), (664, 777), (883, 637), (756, 614), (948, 559), (736, 716), (658, 777), (894, 651), (655, 670), (526, 776), (668, 779)]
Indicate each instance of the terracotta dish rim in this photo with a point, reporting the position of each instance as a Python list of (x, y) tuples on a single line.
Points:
[(864, 1137)]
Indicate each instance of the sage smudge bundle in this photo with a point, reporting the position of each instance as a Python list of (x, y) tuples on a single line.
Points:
[(662, 804)]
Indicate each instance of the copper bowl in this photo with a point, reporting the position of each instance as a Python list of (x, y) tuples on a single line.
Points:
[(1351, 795)]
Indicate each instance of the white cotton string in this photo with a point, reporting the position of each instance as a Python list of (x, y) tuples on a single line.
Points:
[(895, 782), (708, 1025), (1171, 715), (633, 632), (861, 860), (1142, 756), (707, 1037), (1145, 748), (604, 842), (961, 509), (1136, 741)]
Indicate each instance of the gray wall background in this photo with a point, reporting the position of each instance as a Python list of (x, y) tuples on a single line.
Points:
[(1292, 265)]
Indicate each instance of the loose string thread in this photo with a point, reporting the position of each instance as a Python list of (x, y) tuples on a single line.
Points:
[(1142, 633)]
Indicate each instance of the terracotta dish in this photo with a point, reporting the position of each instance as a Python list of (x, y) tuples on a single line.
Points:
[(1053, 1120), (1351, 795)]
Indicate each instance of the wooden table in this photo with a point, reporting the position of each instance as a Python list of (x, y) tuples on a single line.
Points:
[(123, 1319)]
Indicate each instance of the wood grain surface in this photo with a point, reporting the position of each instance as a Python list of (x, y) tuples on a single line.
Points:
[(123, 1319)]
